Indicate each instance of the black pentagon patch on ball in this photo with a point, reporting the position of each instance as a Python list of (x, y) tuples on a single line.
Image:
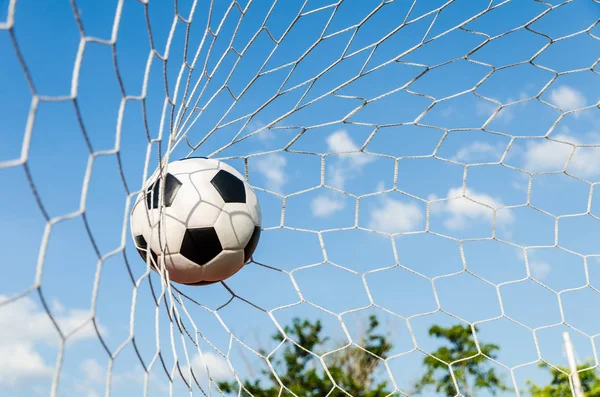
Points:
[(142, 247), (252, 243), (230, 187), (172, 185), (200, 245)]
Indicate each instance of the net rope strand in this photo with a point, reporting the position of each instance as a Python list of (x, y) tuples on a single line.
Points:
[(187, 97)]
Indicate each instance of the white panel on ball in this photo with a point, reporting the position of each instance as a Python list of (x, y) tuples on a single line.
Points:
[(223, 266), (186, 200), (234, 226), (192, 164), (253, 206), (205, 214), (169, 234), (182, 270), (139, 218), (208, 193)]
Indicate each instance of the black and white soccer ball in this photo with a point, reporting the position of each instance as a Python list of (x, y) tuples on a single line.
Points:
[(210, 225)]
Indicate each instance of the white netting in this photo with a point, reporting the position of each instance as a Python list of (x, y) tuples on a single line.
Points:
[(429, 162)]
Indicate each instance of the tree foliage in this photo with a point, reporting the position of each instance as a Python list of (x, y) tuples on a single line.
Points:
[(560, 385), (468, 364), (300, 370)]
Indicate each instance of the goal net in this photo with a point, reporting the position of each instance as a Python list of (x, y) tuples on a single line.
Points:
[(426, 169)]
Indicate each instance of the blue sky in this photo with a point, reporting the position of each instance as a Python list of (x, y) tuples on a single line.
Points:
[(329, 254)]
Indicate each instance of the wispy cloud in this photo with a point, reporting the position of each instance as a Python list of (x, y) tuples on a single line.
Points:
[(346, 166), (323, 206), (549, 155), (217, 366), (25, 327), (506, 114), (395, 216), (459, 211), (546, 155), (567, 98), (479, 151), (21, 363), (341, 142), (94, 377), (257, 127), (272, 167), (539, 270)]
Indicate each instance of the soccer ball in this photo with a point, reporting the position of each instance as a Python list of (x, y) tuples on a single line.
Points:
[(211, 221)]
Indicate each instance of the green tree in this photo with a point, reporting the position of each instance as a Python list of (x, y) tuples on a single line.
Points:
[(302, 373), (471, 374), (560, 386)]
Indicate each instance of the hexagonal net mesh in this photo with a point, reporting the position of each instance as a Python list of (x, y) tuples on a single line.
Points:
[(426, 172)]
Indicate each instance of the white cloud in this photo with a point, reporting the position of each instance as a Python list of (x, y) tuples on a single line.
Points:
[(522, 185), (92, 381), (336, 176), (90, 393), (266, 135), (479, 151), (461, 210), (552, 156), (506, 114), (24, 327), (394, 216), (539, 270), (94, 376), (487, 108), (546, 155), (340, 141), (93, 371), (338, 172), (448, 111), (23, 321), (567, 98), (272, 167), (20, 363), (217, 366), (323, 206), (585, 162)]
